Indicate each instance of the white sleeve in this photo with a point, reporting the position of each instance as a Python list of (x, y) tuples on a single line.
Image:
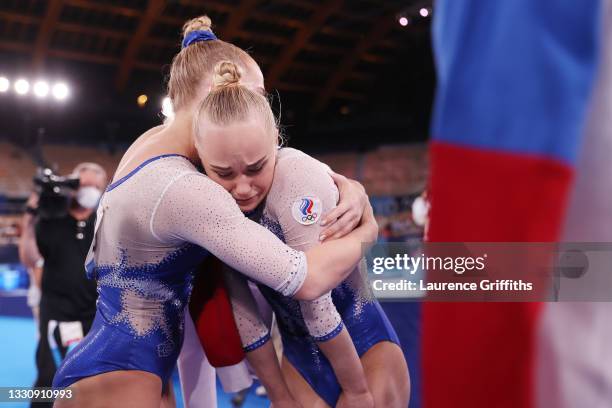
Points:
[(195, 209), (321, 317), (297, 178), (253, 332)]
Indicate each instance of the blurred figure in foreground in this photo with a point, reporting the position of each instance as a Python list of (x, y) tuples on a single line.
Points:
[(514, 84)]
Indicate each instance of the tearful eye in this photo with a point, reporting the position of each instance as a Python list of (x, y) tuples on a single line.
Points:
[(224, 175), (256, 167), (255, 171)]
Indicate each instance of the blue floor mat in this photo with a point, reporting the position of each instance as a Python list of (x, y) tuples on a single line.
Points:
[(17, 348)]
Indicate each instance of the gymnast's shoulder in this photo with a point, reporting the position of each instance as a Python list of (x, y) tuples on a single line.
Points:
[(292, 162)]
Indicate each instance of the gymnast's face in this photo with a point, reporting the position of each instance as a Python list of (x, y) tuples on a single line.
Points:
[(240, 157)]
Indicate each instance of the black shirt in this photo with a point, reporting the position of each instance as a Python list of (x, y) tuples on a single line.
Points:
[(67, 294)]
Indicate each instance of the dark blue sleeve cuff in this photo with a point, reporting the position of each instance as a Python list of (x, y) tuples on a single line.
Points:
[(257, 344), (331, 334)]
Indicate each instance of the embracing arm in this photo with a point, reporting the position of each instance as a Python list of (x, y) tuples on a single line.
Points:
[(195, 209), (347, 214), (329, 259), (299, 177), (266, 366), (326, 327), (255, 337)]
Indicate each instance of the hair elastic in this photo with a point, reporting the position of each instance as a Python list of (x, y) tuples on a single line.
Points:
[(197, 36)]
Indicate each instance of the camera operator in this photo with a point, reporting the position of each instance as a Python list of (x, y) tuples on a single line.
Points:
[(58, 229)]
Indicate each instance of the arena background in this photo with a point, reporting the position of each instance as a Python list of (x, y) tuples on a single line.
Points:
[(353, 81)]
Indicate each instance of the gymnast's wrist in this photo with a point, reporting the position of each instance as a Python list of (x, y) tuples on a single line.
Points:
[(357, 386), (369, 224), (351, 399), (367, 231)]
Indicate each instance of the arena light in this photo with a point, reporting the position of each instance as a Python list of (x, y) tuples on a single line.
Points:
[(4, 84), (403, 21), (22, 86), (167, 109), (60, 91), (424, 12), (142, 100), (41, 89)]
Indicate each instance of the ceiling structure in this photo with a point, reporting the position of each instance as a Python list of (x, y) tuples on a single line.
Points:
[(332, 53)]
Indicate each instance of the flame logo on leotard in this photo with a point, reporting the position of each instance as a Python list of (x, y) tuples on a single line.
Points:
[(306, 207), (306, 210)]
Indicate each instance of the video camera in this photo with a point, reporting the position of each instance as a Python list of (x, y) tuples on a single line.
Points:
[(55, 192)]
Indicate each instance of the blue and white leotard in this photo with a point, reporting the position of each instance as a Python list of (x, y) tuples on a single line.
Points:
[(154, 227), (301, 188)]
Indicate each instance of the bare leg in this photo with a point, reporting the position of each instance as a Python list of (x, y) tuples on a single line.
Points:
[(387, 373), (126, 388), (302, 391)]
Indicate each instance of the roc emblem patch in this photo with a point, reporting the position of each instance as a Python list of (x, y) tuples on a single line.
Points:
[(306, 210)]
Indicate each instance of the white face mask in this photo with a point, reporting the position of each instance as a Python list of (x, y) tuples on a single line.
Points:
[(88, 197), (420, 209)]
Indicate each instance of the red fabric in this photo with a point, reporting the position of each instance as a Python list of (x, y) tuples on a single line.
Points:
[(211, 311), (482, 354)]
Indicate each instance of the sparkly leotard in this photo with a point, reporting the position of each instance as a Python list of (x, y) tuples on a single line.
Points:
[(154, 226), (298, 179)]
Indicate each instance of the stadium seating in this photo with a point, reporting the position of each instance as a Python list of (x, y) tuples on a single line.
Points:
[(387, 171), (66, 157), (16, 171), (395, 170), (17, 167), (343, 163)]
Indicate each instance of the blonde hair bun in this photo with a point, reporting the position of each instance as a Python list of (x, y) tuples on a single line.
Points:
[(195, 24), (226, 74)]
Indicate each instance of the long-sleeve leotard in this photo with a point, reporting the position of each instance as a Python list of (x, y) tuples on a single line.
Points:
[(154, 226), (302, 188)]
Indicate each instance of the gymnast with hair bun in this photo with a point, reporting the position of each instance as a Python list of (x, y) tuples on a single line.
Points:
[(156, 222), (339, 349)]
